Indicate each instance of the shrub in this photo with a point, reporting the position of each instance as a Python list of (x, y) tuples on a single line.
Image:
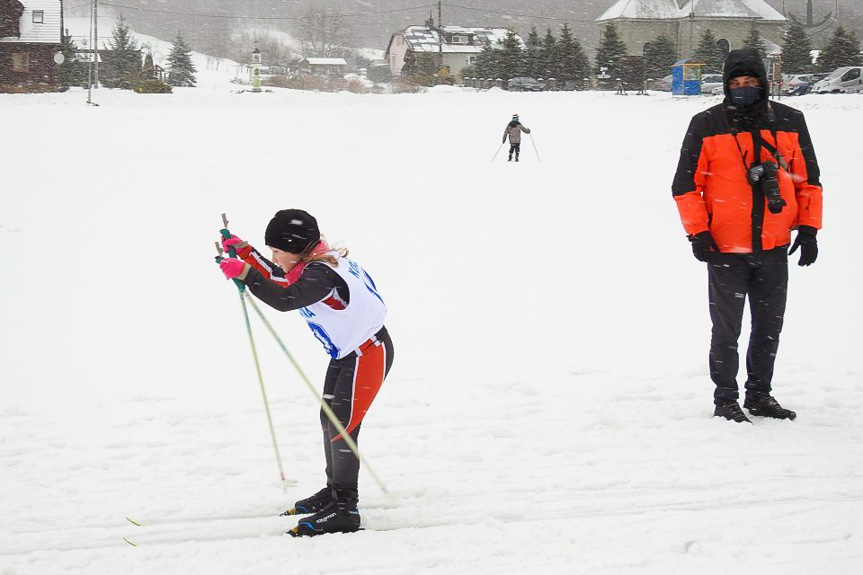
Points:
[(152, 87)]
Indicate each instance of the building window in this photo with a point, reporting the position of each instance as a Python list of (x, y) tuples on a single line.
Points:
[(38, 16), (459, 39), (20, 62)]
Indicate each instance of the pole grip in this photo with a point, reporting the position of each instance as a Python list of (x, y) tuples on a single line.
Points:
[(231, 252)]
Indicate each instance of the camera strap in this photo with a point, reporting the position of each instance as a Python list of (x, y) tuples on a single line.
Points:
[(780, 159)]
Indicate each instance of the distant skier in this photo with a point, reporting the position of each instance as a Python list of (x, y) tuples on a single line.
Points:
[(344, 310), (513, 130)]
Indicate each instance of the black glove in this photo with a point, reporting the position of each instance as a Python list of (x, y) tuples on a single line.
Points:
[(808, 245), (702, 243)]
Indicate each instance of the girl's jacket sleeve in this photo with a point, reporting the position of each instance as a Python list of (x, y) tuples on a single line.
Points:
[(316, 284)]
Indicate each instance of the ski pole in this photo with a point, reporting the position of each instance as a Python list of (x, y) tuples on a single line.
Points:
[(496, 153), (534, 147), (241, 289), (324, 406)]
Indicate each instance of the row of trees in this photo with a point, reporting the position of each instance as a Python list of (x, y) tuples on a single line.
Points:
[(124, 66), (564, 59)]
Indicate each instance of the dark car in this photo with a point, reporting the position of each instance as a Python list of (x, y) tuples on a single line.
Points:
[(523, 84)]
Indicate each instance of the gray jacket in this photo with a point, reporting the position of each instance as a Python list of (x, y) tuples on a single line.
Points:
[(514, 130)]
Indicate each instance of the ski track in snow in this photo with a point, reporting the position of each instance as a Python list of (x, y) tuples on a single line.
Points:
[(549, 408)]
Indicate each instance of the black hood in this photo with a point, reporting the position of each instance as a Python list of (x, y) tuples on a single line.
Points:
[(745, 62)]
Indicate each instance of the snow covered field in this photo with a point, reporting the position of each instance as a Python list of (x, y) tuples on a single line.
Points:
[(549, 409)]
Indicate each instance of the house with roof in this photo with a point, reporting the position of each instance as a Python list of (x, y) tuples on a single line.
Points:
[(641, 21), (30, 37), (457, 46), (322, 66)]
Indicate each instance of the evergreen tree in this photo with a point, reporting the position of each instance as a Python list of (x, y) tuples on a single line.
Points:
[(753, 40), (659, 57), (796, 58), (548, 55), (148, 65), (420, 68), (710, 53), (572, 62), (842, 50), (124, 59), (72, 71), (180, 67), (532, 53), (487, 62), (510, 58), (611, 52)]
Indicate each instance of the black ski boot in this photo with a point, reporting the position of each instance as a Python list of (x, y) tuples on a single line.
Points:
[(510, 159), (313, 504), (338, 517), (765, 405), (730, 410)]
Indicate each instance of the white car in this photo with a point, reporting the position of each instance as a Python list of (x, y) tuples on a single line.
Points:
[(841, 80), (794, 83), (711, 81)]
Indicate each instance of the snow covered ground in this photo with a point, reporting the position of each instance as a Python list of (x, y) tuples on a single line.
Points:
[(549, 409)]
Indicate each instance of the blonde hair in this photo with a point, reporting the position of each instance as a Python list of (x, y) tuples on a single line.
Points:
[(326, 256)]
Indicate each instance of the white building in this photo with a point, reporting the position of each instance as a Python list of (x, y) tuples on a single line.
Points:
[(641, 21), (457, 46)]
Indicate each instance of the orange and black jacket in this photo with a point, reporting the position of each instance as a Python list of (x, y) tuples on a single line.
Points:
[(713, 192)]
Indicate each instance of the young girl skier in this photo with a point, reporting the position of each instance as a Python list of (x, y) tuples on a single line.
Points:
[(344, 310)]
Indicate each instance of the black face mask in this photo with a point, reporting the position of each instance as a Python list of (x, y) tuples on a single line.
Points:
[(746, 97)]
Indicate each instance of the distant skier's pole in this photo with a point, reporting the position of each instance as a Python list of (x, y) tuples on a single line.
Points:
[(534, 147), (496, 153), (324, 407), (242, 290)]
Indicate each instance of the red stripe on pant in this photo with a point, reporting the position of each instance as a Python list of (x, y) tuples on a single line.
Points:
[(369, 375)]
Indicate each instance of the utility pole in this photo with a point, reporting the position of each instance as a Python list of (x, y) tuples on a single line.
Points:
[(439, 36), (96, 42)]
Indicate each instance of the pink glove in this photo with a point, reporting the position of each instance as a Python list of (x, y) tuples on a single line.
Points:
[(233, 268), (231, 242)]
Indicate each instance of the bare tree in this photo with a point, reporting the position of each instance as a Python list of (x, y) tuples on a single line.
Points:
[(322, 32)]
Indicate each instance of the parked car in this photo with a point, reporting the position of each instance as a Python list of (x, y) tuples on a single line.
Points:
[(711, 81), (662, 84), (796, 84), (523, 84), (845, 79)]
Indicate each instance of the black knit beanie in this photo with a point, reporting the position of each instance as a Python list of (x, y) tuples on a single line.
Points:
[(294, 231)]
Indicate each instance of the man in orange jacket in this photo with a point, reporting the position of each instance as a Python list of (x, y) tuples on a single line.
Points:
[(746, 178)]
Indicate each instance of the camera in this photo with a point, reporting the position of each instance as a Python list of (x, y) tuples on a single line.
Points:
[(765, 174)]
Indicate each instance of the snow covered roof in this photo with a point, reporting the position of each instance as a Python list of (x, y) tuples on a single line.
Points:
[(45, 29), (642, 10), (424, 39), (668, 10), (731, 9), (326, 61)]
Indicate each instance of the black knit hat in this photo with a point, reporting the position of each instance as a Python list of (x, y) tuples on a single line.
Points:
[(294, 231)]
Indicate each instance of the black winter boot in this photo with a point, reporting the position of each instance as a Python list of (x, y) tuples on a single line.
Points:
[(312, 504), (336, 518), (765, 405), (730, 410)]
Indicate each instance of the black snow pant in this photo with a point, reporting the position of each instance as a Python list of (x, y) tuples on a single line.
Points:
[(350, 386), (516, 147), (763, 278)]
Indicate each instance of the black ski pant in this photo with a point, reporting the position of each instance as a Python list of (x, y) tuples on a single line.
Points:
[(763, 279), (516, 147), (350, 386)]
